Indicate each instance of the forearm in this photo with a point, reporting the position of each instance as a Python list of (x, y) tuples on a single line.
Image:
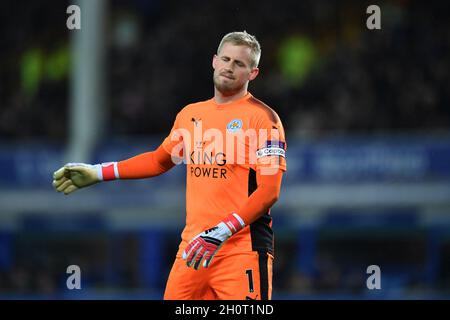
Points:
[(145, 165), (263, 198)]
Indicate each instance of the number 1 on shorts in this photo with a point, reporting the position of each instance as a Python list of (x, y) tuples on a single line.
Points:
[(249, 273)]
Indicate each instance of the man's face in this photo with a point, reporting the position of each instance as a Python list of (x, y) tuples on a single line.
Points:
[(232, 68)]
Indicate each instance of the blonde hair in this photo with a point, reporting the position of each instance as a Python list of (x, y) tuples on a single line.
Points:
[(242, 38)]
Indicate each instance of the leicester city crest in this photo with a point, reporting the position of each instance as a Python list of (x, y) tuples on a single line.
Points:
[(234, 125)]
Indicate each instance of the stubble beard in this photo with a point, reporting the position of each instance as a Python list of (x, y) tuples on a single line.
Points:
[(224, 88)]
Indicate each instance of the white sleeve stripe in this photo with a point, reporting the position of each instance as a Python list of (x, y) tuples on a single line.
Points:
[(239, 219), (116, 171), (98, 168)]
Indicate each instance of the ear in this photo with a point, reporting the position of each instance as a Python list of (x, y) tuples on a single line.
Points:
[(214, 61), (253, 74)]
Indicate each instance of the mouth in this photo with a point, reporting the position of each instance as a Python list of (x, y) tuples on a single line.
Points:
[(228, 76)]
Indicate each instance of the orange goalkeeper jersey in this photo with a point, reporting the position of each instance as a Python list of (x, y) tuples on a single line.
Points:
[(223, 146)]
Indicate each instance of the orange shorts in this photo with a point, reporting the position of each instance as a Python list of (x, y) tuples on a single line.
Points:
[(231, 277)]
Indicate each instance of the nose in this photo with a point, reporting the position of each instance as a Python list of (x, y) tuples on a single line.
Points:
[(229, 66), (228, 69)]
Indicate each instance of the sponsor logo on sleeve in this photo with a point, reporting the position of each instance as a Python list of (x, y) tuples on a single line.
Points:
[(272, 148)]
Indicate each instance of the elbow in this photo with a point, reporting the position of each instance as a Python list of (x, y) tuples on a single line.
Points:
[(275, 198), (273, 195)]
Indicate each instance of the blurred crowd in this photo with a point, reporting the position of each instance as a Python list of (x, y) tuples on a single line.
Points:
[(322, 70)]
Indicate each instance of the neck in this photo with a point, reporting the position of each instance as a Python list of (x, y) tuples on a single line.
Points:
[(220, 98)]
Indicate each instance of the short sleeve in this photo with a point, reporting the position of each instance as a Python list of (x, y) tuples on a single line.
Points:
[(271, 146)]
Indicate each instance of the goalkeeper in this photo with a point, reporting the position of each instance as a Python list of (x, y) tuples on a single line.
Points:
[(226, 251)]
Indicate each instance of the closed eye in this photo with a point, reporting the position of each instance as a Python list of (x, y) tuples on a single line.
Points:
[(237, 62)]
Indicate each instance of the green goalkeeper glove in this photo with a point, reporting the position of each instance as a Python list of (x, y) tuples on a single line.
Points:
[(74, 176)]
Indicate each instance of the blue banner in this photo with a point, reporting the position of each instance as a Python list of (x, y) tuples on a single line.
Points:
[(330, 160)]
